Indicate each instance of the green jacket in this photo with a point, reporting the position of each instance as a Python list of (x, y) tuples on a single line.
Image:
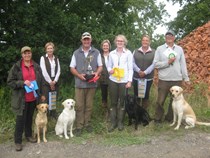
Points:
[(16, 82)]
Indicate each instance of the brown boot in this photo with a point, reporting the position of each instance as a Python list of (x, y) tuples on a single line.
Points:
[(18, 147), (31, 139)]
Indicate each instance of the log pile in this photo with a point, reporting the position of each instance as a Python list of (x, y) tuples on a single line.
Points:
[(196, 47)]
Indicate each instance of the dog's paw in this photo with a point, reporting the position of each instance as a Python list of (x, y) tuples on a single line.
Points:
[(61, 136), (176, 128), (45, 140), (187, 127), (72, 135), (38, 141), (171, 124), (66, 137)]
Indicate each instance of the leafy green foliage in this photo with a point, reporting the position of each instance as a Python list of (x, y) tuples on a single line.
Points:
[(7, 58), (62, 22), (7, 120), (193, 14)]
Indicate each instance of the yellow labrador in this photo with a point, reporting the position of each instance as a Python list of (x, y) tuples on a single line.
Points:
[(182, 111), (66, 119), (41, 121)]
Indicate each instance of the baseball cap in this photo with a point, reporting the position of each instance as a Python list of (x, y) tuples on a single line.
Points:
[(25, 48), (170, 32), (86, 35)]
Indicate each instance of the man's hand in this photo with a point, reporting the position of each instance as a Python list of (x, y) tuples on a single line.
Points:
[(171, 60), (186, 83), (81, 76)]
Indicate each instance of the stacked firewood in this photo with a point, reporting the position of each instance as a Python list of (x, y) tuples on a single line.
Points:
[(196, 47)]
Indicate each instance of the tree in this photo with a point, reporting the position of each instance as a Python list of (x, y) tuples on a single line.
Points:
[(35, 22), (193, 14)]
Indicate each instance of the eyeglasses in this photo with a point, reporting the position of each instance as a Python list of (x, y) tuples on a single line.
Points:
[(120, 41)]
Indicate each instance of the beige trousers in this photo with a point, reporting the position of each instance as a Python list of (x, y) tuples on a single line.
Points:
[(84, 105)]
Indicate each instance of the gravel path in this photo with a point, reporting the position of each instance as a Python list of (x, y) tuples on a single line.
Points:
[(192, 144)]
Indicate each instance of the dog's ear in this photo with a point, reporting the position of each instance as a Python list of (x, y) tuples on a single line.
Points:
[(38, 106), (171, 89), (64, 103), (180, 89)]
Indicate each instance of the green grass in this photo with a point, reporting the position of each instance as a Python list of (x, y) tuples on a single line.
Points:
[(129, 136)]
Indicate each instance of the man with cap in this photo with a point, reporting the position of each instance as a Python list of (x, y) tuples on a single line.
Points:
[(172, 70), (26, 81), (86, 66)]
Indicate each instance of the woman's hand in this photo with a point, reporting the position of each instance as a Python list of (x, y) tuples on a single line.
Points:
[(141, 74), (27, 83), (128, 84), (43, 98), (52, 85), (111, 71)]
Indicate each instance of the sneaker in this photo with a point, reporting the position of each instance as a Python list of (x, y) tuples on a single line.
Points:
[(31, 139), (18, 147), (77, 132), (89, 129)]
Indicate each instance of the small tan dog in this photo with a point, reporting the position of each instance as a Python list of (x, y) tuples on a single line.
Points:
[(182, 111), (41, 121)]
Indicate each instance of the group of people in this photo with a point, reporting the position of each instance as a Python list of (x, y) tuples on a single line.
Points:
[(117, 70)]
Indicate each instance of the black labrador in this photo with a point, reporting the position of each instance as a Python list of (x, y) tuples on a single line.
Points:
[(136, 112)]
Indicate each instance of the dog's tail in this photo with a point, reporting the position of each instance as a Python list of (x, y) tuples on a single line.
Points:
[(202, 123)]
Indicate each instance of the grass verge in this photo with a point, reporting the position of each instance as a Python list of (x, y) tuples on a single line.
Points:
[(129, 136)]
